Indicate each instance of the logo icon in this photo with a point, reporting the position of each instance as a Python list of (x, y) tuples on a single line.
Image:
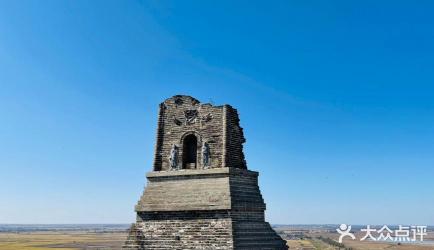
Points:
[(344, 230)]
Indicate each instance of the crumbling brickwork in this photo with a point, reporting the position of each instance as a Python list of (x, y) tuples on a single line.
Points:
[(200, 194), (181, 116)]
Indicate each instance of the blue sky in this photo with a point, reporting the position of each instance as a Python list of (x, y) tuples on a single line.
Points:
[(336, 99)]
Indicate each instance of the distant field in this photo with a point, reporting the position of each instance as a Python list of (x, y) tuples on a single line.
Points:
[(66, 240), (308, 245)]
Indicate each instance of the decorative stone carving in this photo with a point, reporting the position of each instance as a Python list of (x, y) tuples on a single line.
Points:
[(206, 118), (190, 116), (173, 157), (177, 121), (205, 155)]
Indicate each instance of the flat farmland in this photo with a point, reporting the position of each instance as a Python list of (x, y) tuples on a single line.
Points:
[(61, 240)]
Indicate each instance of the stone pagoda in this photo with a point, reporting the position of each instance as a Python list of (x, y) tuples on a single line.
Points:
[(200, 194)]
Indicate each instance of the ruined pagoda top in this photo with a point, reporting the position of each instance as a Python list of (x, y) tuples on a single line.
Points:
[(192, 135)]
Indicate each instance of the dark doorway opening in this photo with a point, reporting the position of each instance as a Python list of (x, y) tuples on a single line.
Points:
[(189, 152)]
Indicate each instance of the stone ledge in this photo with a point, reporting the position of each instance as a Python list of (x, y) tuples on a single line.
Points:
[(186, 172), (201, 189)]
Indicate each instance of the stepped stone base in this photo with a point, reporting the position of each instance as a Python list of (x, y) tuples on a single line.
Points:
[(202, 209)]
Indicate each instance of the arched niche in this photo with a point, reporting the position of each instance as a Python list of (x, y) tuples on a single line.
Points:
[(190, 149)]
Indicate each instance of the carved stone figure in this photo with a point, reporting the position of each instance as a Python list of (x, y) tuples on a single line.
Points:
[(205, 155), (173, 158)]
